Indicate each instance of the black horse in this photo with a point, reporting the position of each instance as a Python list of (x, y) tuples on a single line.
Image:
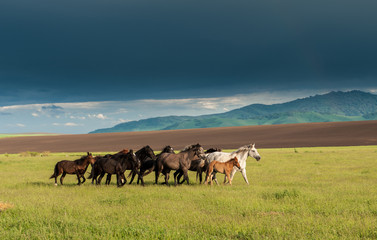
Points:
[(116, 166), (144, 155), (148, 165), (180, 161)]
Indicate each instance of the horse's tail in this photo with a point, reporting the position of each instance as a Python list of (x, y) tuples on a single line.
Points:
[(56, 171)]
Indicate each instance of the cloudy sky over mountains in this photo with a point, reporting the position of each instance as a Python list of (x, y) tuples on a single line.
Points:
[(92, 64)]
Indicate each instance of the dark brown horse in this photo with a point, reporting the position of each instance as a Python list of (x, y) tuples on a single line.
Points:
[(149, 164), (198, 165), (104, 158), (144, 155), (116, 166), (77, 167), (180, 161), (222, 167)]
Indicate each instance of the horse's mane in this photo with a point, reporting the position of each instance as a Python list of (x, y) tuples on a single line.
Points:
[(124, 151), (188, 147), (142, 149), (81, 160), (211, 150), (243, 148)]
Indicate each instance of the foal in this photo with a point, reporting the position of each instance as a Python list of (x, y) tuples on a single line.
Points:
[(222, 167)]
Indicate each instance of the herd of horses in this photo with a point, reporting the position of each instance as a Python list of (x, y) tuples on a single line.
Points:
[(144, 161)]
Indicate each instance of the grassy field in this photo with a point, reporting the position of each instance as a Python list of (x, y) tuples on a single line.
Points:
[(303, 193), (25, 135)]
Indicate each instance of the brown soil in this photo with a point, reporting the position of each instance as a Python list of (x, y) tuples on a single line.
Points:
[(270, 136)]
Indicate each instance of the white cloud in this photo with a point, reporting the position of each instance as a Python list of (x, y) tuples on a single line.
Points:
[(35, 114), (99, 116), (20, 125), (77, 117), (70, 124)]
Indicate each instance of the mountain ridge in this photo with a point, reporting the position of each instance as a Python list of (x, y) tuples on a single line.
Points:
[(330, 107)]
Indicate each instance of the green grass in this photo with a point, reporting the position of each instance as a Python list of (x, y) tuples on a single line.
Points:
[(301, 193), (26, 135)]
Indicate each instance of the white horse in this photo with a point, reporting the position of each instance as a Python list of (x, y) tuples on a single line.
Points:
[(242, 153)]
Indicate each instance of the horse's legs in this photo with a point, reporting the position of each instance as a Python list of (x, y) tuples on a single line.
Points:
[(199, 173), (108, 179), (94, 175), (140, 177), (100, 178), (207, 178), (234, 170), (62, 177), (186, 177), (213, 177), (118, 180), (82, 176), (157, 171), (243, 171), (133, 176), (167, 177), (227, 176), (78, 178), (177, 176), (123, 179)]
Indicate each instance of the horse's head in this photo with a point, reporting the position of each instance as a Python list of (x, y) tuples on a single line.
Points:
[(253, 152), (149, 152), (167, 149), (236, 163), (90, 158), (199, 151)]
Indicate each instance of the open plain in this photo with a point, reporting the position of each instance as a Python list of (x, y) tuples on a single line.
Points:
[(295, 192)]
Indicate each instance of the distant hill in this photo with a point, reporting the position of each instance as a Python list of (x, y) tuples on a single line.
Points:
[(330, 107)]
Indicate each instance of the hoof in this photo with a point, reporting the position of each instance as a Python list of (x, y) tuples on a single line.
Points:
[(56, 184)]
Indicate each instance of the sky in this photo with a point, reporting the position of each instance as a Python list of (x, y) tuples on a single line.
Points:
[(77, 65)]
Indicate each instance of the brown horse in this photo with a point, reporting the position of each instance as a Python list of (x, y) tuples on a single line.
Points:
[(180, 161), (222, 167), (77, 167)]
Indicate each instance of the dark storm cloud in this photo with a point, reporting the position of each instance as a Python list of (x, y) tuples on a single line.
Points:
[(119, 50)]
